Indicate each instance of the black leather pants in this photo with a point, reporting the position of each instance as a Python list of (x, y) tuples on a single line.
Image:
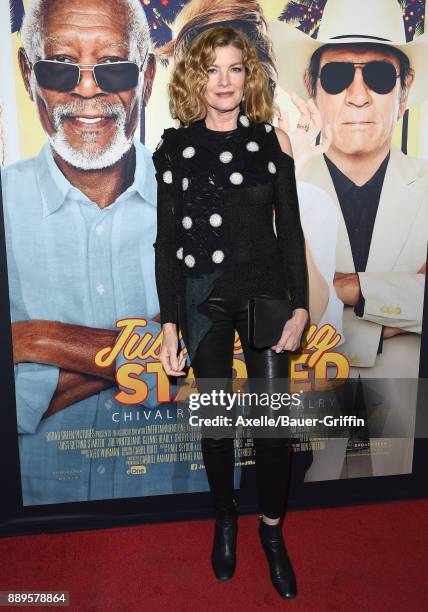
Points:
[(213, 359)]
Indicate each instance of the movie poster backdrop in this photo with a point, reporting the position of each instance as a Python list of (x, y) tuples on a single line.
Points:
[(128, 438)]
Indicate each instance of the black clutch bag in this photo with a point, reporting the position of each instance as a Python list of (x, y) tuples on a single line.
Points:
[(266, 320)]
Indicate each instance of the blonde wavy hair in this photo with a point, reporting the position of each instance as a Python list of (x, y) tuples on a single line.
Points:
[(188, 83)]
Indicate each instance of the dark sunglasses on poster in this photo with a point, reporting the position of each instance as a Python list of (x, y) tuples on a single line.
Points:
[(379, 76), (65, 76)]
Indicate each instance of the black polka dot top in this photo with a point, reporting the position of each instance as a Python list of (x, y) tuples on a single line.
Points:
[(227, 210)]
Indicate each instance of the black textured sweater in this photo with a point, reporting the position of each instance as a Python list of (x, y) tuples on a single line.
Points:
[(218, 193)]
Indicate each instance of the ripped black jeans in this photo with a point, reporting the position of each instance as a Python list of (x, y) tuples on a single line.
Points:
[(214, 359)]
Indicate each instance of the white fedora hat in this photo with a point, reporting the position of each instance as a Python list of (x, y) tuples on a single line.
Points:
[(349, 21)]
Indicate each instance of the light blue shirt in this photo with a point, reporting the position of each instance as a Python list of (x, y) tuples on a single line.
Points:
[(70, 260)]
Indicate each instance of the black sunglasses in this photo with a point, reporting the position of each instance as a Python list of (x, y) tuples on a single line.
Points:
[(379, 76), (64, 76)]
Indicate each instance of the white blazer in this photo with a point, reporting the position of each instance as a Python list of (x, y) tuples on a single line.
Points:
[(391, 286)]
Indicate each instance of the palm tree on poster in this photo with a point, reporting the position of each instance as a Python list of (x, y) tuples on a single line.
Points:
[(306, 15)]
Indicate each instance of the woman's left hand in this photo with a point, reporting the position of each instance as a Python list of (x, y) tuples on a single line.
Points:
[(292, 332), (304, 136)]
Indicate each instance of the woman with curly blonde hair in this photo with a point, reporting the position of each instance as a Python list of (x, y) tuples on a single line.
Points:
[(220, 177), (187, 86)]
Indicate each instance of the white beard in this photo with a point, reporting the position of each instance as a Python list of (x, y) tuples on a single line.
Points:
[(90, 157)]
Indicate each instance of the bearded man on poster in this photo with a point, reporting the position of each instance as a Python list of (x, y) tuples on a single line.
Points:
[(80, 222), (361, 76)]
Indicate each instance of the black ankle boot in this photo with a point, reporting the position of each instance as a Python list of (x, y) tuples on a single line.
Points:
[(223, 556), (281, 570)]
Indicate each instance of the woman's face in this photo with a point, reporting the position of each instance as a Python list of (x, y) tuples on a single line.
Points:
[(226, 80)]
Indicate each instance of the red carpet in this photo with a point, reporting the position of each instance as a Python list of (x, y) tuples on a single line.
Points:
[(367, 558)]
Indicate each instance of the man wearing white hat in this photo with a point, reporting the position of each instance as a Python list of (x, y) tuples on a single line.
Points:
[(361, 75)]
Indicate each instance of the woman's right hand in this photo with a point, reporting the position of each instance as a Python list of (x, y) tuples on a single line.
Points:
[(172, 364)]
